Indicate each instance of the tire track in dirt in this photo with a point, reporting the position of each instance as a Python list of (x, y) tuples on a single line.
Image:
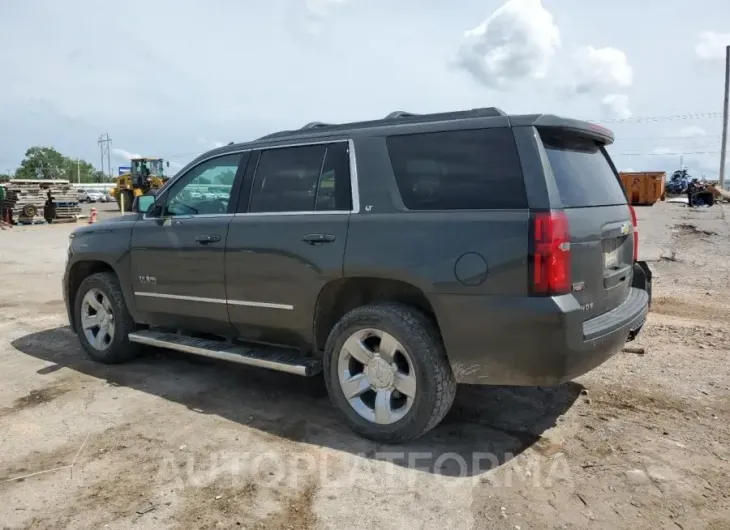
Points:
[(690, 309)]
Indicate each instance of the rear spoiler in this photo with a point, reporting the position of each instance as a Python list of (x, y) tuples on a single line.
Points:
[(584, 128)]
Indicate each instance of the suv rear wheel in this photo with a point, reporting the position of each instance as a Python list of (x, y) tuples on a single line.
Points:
[(102, 319), (386, 370)]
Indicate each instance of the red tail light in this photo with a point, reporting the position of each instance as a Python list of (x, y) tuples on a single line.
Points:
[(635, 223), (550, 267)]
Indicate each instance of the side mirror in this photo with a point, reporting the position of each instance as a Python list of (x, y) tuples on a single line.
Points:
[(143, 203)]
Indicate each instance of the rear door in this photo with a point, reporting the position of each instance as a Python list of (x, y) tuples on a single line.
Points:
[(288, 240), (594, 201)]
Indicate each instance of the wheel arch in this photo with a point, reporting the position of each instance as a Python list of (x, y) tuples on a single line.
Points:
[(342, 295), (82, 269)]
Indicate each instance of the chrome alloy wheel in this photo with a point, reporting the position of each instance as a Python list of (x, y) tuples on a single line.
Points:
[(97, 319), (377, 376)]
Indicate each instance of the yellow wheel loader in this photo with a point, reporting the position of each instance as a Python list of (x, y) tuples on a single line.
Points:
[(146, 173)]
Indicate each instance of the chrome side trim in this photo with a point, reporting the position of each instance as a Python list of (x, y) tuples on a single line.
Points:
[(180, 297), (265, 147), (268, 305), (354, 181), (284, 214), (247, 303), (173, 218)]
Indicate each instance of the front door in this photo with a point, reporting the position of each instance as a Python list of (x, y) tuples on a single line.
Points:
[(178, 256), (288, 240)]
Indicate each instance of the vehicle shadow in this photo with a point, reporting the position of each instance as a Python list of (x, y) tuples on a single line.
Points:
[(487, 426)]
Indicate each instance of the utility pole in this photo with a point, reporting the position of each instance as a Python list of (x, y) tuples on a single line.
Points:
[(723, 150), (78, 171), (105, 144)]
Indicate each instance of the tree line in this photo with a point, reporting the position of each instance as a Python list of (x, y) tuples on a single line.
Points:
[(47, 163)]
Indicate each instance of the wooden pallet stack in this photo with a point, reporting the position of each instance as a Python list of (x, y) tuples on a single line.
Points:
[(65, 202), (28, 198)]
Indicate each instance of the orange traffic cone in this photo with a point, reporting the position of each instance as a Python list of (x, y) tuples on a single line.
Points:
[(92, 216)]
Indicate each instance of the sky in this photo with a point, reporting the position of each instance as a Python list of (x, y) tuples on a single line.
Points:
[(174, 78)]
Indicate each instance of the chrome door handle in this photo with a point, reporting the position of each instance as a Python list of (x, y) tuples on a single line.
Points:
[(318, 239), (205, 240)]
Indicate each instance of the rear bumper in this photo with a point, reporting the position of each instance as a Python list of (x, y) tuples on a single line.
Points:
[(533, 341)]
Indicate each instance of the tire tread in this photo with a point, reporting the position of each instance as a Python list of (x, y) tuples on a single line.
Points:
[(121, 350), (420, 332)]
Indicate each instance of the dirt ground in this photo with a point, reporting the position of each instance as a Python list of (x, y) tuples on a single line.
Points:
[(170, 441)]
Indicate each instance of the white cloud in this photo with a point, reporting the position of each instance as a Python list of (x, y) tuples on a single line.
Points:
[(123, 153), (601, 69), (616, 106), (516, 43), (711, 46)]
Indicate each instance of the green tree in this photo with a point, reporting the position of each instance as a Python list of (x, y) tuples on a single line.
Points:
[(42, 163), (47, 163)]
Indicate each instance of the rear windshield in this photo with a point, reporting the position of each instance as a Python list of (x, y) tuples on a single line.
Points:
[(582, 170)]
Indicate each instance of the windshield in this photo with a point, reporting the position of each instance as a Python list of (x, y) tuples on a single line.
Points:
[(149, 167), (583, 173)]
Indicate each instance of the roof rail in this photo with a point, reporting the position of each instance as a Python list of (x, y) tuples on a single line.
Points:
[(489, 111), (399, 114), (314, 125)]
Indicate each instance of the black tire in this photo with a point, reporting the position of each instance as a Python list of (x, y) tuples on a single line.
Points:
[(119, 349), (435, 380), (30, 210)]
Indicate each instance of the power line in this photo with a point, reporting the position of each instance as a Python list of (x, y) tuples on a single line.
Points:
[(702, 137), (671, 153), (677, 117), (105, 144)]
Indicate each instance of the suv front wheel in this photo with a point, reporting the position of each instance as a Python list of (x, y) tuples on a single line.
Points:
[(102, 320), (386, 370)]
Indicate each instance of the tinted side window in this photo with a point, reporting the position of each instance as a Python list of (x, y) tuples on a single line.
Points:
[(582, 170), (286, 179), (335, 191), (458, 170), (205, 189), (303, 179)]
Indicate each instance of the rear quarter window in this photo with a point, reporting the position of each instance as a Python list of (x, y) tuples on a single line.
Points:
[(583, 172), (458, 170)]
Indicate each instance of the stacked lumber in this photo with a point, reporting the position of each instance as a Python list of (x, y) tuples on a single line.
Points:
[(65, 201), (28, 200)]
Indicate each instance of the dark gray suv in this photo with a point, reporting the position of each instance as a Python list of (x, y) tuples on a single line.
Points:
[(397, 257)]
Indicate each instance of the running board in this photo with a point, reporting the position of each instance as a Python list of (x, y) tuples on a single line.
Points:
[(271, 357)]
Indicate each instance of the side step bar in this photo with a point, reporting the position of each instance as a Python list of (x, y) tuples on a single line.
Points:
[(273, 358)]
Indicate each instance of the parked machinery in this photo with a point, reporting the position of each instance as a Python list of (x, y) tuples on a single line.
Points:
[(146, 173)]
